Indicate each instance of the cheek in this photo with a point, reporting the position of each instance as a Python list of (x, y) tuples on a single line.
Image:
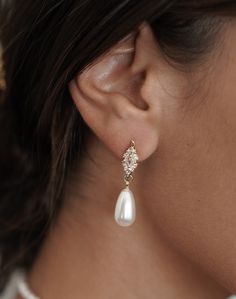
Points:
[(194, 182)]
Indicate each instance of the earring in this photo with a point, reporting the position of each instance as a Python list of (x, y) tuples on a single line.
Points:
[(125, 211)]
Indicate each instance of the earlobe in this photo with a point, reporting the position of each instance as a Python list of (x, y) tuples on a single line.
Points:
[(110, 99)]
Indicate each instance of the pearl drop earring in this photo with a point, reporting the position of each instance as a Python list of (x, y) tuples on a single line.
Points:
[(125, 211)]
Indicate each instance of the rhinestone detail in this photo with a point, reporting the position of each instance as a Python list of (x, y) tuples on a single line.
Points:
[(130, 160)]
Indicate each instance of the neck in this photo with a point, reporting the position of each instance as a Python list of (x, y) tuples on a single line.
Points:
[(87, 255)]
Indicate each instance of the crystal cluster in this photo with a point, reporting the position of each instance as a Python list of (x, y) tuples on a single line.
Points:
[(130, 159)]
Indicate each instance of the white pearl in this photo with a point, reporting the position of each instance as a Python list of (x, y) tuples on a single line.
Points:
[(125, 208)]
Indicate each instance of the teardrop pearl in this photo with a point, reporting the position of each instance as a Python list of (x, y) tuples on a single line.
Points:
[(125, 208)]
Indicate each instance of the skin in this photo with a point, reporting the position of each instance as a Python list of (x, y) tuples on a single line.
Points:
[(182, 244)]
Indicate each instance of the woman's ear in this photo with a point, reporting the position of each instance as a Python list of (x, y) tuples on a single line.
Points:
[(115, 95)]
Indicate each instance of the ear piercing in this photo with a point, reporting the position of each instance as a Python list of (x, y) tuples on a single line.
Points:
[(125, 211)]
